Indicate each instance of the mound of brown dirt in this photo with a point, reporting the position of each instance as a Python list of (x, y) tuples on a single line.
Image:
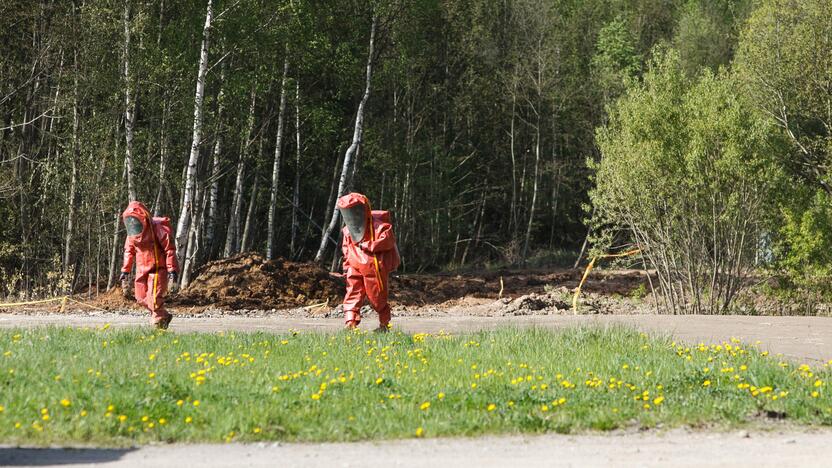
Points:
[(114, 299), (248, 281)]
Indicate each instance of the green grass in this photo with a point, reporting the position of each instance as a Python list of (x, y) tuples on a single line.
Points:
[(118, 387)]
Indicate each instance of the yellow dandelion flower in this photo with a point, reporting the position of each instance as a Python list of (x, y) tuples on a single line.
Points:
[(424, 406), (491, 407), (65, 403), (658, 400), (815, 394), (474, 385), (122, 418), (316, 396), (510, 404), (111, 408), (419, 431), (2, 408), (45, 417), (84, 413), (256, 430), (544, 408), (818, 383), (189, 420), (163, 421), (379, 381), (145, 418), (441, 395), (196, 403), (706, 383), (180, 403), (151, 375)]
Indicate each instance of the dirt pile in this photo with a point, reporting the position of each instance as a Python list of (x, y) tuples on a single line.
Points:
[(114, 299), (248, 281)]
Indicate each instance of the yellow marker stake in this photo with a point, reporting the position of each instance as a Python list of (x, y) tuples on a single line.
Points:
[(590, 267)]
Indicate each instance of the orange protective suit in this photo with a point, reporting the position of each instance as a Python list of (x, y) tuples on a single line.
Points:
[(368, 262), (155, 256)]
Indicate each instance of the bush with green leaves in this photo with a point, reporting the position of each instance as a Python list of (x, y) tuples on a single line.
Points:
[(803, 248), (689, 169)]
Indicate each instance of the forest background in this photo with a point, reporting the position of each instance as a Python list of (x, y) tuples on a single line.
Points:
[(505, 132)]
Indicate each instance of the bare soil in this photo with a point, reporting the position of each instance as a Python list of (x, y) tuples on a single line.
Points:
[(248, 282)]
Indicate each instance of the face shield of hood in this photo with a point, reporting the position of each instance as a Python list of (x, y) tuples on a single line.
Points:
[(134, 226), (355, 217)]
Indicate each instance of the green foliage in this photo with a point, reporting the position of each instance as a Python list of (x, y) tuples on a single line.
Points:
[(804, 250), (689, 169), (708, 31), (785, 60), (616, 60)]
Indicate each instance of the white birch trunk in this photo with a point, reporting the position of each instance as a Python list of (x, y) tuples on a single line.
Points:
[(193, 242), (73, 184), (244, 244), (278, 150), (184, 224), (296, 191), (232, 235), (214, 192), (129, 106), (534, 192), (163, 161), (116, 226), (353, 148)]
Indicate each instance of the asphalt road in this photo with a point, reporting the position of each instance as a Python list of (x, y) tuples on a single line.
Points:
[(797, 338)]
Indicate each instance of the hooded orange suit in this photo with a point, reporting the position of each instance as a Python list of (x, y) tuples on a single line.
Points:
[(368, 262), (155, 255)]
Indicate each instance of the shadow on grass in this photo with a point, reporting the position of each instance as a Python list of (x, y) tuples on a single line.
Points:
[(12, 456)]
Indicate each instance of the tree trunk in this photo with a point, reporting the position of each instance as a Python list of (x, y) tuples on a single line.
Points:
[(184, 224), (244, 245), (116, 227), (513, 215), (232, 235), (163, 162), (73, 183), (193, 240), (353, 148), (214, 196), (278, 149), (129, 106), (534, 192), (296, 191)]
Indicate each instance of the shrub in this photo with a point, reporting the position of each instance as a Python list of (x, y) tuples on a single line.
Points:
[(689, 170)]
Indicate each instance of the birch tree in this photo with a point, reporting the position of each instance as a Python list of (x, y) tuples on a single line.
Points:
[(184, 224), (353, 148), (296, 190), (214, 191), (129, 106), (278, 148), (232, 235)]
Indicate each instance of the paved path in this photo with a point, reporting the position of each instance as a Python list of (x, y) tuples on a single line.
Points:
[(676, 448), (798, 338)]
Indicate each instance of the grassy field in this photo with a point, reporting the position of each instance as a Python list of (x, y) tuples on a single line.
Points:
[(118, 387)]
